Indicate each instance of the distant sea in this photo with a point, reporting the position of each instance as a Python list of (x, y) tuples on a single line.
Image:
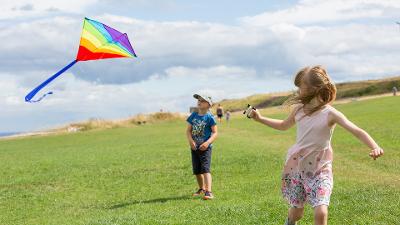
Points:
[(4, 134)]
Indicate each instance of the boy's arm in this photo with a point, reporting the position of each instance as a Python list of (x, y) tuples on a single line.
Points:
[(276, 123), (339, 118), (214, 134), (189, 137)]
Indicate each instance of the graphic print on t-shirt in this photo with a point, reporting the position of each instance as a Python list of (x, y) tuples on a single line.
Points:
[(198, 128)]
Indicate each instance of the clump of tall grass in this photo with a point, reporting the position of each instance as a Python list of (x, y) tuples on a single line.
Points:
[(140, 119)]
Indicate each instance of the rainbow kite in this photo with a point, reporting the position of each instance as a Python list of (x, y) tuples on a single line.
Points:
[(98, 41)]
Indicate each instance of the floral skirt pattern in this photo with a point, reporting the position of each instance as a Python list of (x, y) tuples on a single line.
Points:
[(298, 189)]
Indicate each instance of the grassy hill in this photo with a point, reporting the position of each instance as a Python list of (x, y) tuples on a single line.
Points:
[(142, 174), (344, 90)]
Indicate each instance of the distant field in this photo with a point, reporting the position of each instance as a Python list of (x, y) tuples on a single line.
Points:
[(142, 174)]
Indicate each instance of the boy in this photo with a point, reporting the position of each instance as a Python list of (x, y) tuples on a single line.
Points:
[(201, 133)]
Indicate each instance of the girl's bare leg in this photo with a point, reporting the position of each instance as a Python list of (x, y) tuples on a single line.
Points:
[(321, 215), (294, 215)]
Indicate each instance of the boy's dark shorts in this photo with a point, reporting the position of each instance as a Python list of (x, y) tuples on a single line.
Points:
[(201, 161)]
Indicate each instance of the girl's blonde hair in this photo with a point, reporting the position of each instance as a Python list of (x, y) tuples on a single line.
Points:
[(317, 85)]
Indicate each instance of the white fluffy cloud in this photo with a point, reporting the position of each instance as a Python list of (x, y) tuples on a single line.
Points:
[(318, 11), (29, 8), (353, 39), (76, 99)]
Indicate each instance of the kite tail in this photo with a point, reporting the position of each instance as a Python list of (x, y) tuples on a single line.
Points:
[(28, 97)]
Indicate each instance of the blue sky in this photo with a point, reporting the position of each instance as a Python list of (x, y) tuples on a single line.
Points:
[(223, 49), (222, 11)]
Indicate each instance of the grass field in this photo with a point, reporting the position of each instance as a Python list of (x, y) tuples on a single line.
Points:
[(142, 175)]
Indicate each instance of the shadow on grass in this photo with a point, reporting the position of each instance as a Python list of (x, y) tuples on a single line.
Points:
[(156, 200)]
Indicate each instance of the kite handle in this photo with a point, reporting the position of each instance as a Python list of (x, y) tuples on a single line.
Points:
[(28, 97)]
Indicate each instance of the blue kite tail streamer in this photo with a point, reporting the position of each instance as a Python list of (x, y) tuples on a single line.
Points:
[(38, 100), (28, 97)]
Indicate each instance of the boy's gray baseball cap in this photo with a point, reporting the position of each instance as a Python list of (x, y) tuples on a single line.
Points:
[(205, 97)]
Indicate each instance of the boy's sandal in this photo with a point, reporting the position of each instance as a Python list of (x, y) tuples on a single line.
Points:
[(198, 192), (208, 195)]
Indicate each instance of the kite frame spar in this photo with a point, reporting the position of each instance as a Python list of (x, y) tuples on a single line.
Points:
[(128, 51)]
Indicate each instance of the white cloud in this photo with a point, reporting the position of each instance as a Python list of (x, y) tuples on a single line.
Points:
[(318, 11), (259, 54), (75, 99), (215, 72), (29, 8), (158, 39)]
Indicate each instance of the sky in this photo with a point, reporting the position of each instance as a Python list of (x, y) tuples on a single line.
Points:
[(224, 49)]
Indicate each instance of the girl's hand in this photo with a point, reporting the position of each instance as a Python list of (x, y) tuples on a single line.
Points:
[(192, 145), (376, 152), (204, 146), (255, 114)]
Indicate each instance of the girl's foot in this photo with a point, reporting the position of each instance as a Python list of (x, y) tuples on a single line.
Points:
[(208, 195), (198, 192), (287, 222)]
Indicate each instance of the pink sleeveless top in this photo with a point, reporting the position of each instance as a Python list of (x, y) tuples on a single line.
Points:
[(312, 153)]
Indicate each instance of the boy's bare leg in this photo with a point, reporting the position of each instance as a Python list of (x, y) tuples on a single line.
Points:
[(207, 181), (200, 181)]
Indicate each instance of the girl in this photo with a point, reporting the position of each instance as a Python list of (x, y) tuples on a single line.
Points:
[(307, 174)]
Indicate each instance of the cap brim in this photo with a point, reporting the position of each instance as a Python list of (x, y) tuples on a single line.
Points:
[(197, 96)]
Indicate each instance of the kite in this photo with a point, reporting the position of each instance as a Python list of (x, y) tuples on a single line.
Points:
[(98, 41)]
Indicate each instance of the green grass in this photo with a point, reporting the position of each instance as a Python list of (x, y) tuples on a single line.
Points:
[(142, 175)]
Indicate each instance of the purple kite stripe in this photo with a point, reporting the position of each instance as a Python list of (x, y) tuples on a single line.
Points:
[(113, 32), (116, 35), (126, 41)]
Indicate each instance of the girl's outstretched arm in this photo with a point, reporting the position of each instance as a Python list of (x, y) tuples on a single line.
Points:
[(337, 117), (275, 123)]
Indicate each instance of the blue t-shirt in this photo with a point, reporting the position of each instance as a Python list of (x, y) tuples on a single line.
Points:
[(201, 126)]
